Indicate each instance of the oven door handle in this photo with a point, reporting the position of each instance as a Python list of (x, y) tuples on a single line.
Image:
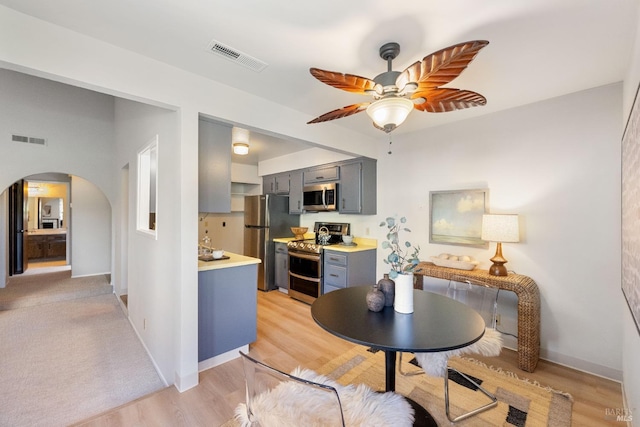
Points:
[(309, 279), (304, 256)]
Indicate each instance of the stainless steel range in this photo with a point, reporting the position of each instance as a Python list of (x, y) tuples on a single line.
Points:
[(305, 260)]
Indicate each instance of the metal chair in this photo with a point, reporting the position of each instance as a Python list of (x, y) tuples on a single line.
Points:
[(275, 398), (482, 299)]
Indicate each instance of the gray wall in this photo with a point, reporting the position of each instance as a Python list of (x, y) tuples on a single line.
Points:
[(78, 126)]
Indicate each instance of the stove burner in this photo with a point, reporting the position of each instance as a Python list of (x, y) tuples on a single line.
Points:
[(336, 231)]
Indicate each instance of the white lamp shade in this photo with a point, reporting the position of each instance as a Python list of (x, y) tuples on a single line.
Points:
[(500, 228), (390, 111)]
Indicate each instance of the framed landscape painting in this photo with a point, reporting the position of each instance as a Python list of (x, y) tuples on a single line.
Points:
[(455, 217)]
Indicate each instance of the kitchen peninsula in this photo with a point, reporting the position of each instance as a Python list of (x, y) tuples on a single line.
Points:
[(227, 308)]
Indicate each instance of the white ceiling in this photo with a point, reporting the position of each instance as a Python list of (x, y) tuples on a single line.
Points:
[(538, 49)]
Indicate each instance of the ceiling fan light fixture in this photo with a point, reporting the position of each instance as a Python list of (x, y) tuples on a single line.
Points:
[(389, 113)]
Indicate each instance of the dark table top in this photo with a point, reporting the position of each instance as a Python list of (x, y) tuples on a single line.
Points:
[(438, 323)]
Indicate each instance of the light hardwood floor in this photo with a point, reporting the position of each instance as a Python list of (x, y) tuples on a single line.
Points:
[(288, 337)]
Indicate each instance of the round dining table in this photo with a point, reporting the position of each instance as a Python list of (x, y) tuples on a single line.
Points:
[(438, 323)]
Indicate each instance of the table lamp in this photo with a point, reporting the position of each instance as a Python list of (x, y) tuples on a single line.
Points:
[(500, 228)]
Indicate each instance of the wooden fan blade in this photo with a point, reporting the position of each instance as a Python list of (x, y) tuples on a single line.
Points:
[(442, 66), (341, 112), (348, 82), (444, 100)]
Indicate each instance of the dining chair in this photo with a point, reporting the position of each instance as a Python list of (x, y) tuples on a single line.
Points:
[(305, 398), (484, 300)]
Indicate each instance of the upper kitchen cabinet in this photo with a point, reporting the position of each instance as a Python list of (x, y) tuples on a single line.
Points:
[(276, 184), (358, 188), (214, 167), (295, 192), (321, 174)]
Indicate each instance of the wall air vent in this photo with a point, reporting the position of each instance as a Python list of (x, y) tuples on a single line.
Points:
[(236, 56), (28, 139)]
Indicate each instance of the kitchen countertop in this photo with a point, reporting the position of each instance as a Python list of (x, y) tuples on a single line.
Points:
[(284, 239), (362, 244), (234, 260)]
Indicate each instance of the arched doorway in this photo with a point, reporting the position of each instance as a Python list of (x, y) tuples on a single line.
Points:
[(66, 223), (48, 239)]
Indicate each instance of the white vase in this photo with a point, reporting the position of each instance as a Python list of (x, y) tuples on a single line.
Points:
[(403, 302)]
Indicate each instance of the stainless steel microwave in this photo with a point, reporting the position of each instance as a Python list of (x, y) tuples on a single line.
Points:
[(320, 197)]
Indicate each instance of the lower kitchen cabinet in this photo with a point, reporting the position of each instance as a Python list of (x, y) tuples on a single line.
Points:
[(347, 269), (227, 309), (281, 269)]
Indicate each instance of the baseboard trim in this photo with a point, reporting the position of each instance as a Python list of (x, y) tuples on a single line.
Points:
[(582, 365), (221, 358), (73, 276), (185, 383), (155, 365)]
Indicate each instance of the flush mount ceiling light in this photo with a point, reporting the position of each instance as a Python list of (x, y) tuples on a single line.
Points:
[(418, 87), (240, 139), (240, 148)]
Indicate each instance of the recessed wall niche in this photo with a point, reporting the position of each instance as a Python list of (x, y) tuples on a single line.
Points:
[(147, 215)]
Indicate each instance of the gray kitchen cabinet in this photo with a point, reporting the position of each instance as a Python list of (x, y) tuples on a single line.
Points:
[(295, 192), (347, 269), (227, 309), (321, 174), (214, 167), (281, 269), (358, 188), (276, 184)]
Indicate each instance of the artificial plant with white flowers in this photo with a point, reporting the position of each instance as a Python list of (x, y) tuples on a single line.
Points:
[(404, 256)]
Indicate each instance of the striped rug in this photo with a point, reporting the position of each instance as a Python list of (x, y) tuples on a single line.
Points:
[(520, 402)]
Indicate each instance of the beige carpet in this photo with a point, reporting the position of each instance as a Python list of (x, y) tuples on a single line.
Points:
[(32, 290), (520, 402), (63, 362)]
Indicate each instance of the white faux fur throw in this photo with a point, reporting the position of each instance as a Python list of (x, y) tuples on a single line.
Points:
[(435, 364), (291, 404)]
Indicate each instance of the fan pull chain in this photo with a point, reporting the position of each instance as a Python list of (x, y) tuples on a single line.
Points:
[(390, 142)]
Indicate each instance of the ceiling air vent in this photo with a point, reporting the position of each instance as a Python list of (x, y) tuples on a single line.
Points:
[(236, 56), (28, 139)]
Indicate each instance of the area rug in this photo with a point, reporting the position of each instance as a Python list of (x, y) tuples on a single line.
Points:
[(66, 361), (520, 402)]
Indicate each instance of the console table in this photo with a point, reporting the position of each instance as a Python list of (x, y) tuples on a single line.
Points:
[(528, 303)]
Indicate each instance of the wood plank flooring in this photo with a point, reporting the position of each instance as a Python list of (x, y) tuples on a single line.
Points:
[(288, 337)]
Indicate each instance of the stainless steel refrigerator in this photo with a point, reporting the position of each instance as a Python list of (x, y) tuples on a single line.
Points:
[(266, 217)]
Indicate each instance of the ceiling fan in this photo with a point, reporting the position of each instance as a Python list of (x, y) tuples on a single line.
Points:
[(396, 93)]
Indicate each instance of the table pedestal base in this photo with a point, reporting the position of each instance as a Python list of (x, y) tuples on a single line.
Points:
[(422, 417)]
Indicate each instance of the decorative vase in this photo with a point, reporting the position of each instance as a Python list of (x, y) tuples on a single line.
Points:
[(387, 286), (375, 299), (403, 302)]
